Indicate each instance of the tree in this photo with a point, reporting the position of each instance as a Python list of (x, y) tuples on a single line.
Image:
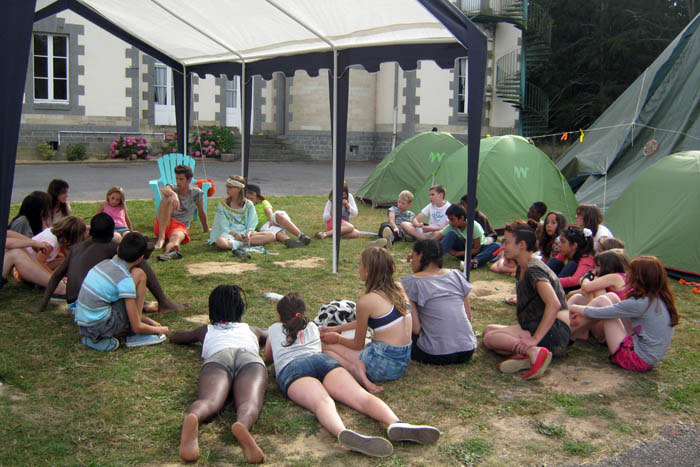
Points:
[(599, 47)]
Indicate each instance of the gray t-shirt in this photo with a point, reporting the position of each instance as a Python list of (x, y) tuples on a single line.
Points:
[(530, 304), (21, 226), (308, 342), (188, 203), (445, 328), (401, 216), (651, 325)]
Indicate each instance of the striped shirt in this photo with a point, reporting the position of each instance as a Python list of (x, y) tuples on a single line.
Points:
[(106, 283)]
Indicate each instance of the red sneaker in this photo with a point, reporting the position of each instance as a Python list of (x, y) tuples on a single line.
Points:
[(537, 369)]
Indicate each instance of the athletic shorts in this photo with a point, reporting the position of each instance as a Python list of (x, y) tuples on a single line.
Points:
[(627, 358), (233, 359), (173, 226)]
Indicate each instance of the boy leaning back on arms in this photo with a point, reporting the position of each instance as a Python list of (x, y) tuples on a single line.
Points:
[(436, 213), (111, 299)]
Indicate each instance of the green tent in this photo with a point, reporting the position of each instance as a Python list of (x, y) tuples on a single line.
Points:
[(656, 116), (658, 213), (406, 167), (513, 174)]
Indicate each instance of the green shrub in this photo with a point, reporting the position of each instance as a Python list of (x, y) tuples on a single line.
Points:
[(45, 151), (76, 152)]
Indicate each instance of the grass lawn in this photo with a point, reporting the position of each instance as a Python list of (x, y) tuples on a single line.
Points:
[(61, 403)]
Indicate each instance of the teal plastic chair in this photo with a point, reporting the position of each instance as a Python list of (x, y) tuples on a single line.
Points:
[(166, 166)]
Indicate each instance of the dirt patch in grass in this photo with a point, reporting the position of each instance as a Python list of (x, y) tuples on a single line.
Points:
[(571, 378), (301, 263), (198, 319), (213, 267), (493, 290), (319, 444)]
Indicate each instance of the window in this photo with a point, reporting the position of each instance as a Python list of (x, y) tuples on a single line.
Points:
[(232, 92), (164, 85), (462, 92), (50, 68)]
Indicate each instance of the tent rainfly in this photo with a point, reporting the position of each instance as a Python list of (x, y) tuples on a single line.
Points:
[(658, 115), (406, 167), (256, 37)]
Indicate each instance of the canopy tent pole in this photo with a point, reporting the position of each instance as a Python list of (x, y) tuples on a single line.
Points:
[(244, 117), (336, 229), (16, 33)]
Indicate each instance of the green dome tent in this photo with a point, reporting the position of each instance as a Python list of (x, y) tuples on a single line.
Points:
[(657, 214), (512, 175), (406, 167)]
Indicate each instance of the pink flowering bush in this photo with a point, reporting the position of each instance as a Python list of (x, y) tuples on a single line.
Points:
[(169, 145), (203, 145), (130, 148)]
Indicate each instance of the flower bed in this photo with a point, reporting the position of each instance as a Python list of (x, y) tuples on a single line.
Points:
[(130, 148)]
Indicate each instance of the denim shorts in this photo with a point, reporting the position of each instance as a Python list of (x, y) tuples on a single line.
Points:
[(385, 362), (316, 366)]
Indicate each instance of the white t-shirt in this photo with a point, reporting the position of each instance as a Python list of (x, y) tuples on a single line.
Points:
[(602, 232), (46, 236), (308, 342), (437, 216), (223, 336)]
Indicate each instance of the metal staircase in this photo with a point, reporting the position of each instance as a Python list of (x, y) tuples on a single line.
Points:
[(536, 27)]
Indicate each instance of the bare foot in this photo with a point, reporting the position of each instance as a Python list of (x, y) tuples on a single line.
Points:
[(358, 371), (252, 453), (189, 446), (169, 306), (172, 247), (159, 244), (150, 307)]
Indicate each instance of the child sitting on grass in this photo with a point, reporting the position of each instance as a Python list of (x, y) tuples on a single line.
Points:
[(115, 207), (232, 365), (435, 212), (275, 224), (347, 230), (111, 299), (652, 312), (391, 230)]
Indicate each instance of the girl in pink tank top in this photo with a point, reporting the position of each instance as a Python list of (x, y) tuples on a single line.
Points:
[(115, 207), (608, 278)]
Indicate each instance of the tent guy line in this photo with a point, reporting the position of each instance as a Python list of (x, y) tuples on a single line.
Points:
[(641, 125)]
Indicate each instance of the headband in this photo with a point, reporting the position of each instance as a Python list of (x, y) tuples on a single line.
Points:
[(587, 233), (235, 183)]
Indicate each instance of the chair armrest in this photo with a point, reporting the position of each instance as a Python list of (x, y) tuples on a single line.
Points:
[(153, 184)]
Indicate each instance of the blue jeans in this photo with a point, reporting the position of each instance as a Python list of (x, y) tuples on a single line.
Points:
[(384, 362), (555, 265), (316, 366), (486, 253), (452, 241)]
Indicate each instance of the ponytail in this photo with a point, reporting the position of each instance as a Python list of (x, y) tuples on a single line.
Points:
[(292, 309)]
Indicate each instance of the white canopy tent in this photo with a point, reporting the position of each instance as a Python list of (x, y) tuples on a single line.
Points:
[(259, 37)]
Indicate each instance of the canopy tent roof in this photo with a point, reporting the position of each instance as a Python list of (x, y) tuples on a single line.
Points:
[(657, 115), (208, 31), (249, 37)]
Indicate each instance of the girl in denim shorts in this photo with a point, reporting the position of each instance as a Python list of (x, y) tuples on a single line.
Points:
[(231, 353), (384, 308), (314, 380)]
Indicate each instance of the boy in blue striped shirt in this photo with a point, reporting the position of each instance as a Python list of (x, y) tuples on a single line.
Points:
[(111, 299)]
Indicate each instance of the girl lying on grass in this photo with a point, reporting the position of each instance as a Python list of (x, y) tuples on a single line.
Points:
[(651, 308), (383, 308), (314, 380), (230, 350)]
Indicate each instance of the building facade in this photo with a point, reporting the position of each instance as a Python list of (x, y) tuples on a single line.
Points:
[(86, 86)]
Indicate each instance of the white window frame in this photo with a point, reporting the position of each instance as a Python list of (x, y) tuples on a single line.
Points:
[(164, 113), (233, 112), (50, 68), (462, 81)]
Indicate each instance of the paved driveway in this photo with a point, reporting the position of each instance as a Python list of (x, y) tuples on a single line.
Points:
[(90, 181)]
